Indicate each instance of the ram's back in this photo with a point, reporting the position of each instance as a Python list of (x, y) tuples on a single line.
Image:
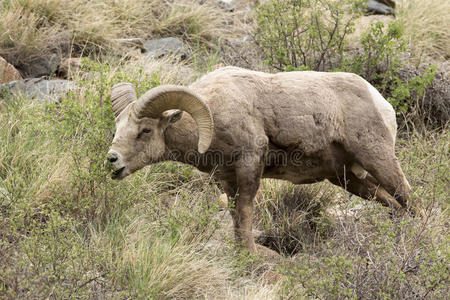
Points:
[(309, 110)]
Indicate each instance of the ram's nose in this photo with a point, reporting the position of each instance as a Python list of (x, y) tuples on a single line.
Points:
[(112, 156)]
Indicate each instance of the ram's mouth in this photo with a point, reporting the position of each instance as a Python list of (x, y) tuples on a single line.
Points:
[(117, 174)]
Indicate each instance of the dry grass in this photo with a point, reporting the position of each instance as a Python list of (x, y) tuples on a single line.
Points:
[(427, 26), (158, 268), (291, 216), (33, 28)]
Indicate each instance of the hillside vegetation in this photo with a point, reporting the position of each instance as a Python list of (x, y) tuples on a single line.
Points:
[(68, 231)]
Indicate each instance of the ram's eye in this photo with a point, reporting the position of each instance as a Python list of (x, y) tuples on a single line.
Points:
[(145, 130)]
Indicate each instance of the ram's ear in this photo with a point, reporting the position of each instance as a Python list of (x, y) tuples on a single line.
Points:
[(171, 116)]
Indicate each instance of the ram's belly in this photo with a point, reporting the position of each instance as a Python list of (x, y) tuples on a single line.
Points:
[(296, 176), (297, 167)]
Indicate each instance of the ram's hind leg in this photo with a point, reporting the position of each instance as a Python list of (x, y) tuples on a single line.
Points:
[(366, 189), (384, 167)]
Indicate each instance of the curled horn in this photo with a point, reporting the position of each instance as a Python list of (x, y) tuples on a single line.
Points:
[(122, 94), (166, 97)]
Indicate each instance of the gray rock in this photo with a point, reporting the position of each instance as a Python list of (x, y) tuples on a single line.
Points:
[(42, 66), (167, 46), (377, 7), (39, 88)]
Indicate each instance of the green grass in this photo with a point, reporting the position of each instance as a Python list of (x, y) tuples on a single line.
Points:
[(427, 27)]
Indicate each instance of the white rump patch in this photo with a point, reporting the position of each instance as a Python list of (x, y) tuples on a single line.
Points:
[(385, 109)]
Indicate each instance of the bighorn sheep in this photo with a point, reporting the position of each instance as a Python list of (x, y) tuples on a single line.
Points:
[(245, 125)]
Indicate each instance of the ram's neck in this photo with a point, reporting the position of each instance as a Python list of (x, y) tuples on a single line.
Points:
[(181, 140)]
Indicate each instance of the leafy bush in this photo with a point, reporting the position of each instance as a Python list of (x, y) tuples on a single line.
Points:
[(373, 257), (306, 34), (379, 63)]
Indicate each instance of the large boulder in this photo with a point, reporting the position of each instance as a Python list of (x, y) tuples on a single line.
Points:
[(40, 89), (381, 7), (159, 48), (8, 72)]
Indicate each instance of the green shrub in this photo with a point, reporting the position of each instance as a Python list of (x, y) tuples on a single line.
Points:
[(310, 34), (379, 63)]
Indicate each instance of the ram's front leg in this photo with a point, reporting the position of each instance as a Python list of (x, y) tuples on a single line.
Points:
[(242, 215), (241, 209), (241, 190)]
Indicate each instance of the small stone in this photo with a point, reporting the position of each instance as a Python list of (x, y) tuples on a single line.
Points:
[(228, 5), (166, 46), (223, 201), (3, 193), (8, 72)]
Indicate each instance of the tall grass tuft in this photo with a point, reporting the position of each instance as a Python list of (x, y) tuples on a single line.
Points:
[(427, 26)]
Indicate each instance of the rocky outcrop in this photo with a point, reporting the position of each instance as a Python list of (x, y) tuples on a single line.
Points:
[(39, 88), (160, 48), (8, 72)]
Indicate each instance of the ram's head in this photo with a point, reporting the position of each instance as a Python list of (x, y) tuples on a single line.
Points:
[(141, 123)]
